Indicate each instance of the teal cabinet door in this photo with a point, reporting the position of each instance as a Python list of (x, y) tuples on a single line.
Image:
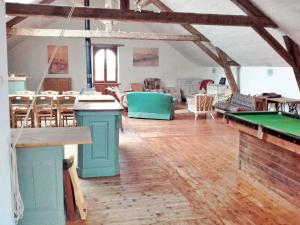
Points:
[(102, 157), (40, 173)]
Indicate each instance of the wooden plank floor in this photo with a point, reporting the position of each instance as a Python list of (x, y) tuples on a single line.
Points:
[(182, 172)]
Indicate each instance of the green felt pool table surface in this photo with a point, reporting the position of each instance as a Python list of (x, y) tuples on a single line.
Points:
[(276, 121)]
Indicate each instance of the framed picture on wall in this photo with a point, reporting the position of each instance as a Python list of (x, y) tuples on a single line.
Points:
[(145, 57), (60, 62)]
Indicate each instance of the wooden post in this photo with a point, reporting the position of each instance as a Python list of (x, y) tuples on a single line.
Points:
[(294, 50), (227, 70), (88, 50)]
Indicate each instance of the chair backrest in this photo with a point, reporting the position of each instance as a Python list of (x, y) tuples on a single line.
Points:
[(43, 103), (25, 92), (19, 102), (71, 93), (152, 83), (137, 87), (49, 92), (65, 101), (204, 103)]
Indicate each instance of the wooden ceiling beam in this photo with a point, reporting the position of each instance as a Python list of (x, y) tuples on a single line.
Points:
[(19, 19), (163, 7), (251, 10), (228, 72), (32, 32), (17, 9), (294, 49)]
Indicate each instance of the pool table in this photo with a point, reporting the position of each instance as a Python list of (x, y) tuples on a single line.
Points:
[(269, 150)]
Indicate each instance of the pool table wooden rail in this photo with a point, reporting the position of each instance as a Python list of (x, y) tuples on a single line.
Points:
[(266, 136)]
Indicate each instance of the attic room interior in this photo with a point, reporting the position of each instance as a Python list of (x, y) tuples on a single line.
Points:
[(150, 112)]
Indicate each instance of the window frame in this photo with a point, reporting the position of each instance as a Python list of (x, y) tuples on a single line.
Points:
[(114, 49)]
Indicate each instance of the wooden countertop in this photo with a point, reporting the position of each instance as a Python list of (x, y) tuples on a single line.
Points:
[(52, 136), (96, 103)]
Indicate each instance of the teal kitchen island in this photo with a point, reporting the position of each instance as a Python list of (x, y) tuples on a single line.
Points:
[(40, 154), (102, 114)]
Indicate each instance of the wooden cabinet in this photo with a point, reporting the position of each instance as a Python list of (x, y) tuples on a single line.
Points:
[(57, 84)]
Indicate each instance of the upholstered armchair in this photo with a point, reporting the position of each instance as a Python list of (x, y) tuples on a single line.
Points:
[(201, 104)]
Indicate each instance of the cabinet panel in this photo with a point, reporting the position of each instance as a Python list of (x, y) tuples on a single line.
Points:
[(64, 84), (57, 84), (102, 157), (41, 185)]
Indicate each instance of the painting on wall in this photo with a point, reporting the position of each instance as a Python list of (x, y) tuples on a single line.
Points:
[(143, 57), (60, 63)]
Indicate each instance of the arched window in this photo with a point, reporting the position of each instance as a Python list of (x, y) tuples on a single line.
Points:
[(105, 65)]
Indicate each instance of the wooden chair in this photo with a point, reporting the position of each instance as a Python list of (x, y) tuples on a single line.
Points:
[(65, 110), (44, 110), (261, 104), (71, 93), (201, 104), (25, 92), (49, 92), (19, 105)]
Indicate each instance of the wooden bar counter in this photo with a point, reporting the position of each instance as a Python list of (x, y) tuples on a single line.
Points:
[(40, 154), (102, 114)]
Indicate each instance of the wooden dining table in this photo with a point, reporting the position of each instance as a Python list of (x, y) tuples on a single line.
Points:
[(281, 103)]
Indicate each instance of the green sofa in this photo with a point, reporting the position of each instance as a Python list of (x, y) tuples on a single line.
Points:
[(150, 105)]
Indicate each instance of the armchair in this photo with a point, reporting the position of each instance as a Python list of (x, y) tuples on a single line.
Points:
[(201, 104)]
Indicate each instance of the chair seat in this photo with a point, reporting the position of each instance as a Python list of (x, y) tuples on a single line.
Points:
[(43, 113), (70, 113), (20, 112)]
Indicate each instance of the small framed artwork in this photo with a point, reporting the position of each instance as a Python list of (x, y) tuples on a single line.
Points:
[(60, 62), (145, 57)]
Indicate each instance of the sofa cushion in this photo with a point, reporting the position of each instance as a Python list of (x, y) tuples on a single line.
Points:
[(245, 101), (238, 102)]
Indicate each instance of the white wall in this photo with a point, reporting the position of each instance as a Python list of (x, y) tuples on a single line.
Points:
[(5, 188), (256, 80), (30, 57)]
